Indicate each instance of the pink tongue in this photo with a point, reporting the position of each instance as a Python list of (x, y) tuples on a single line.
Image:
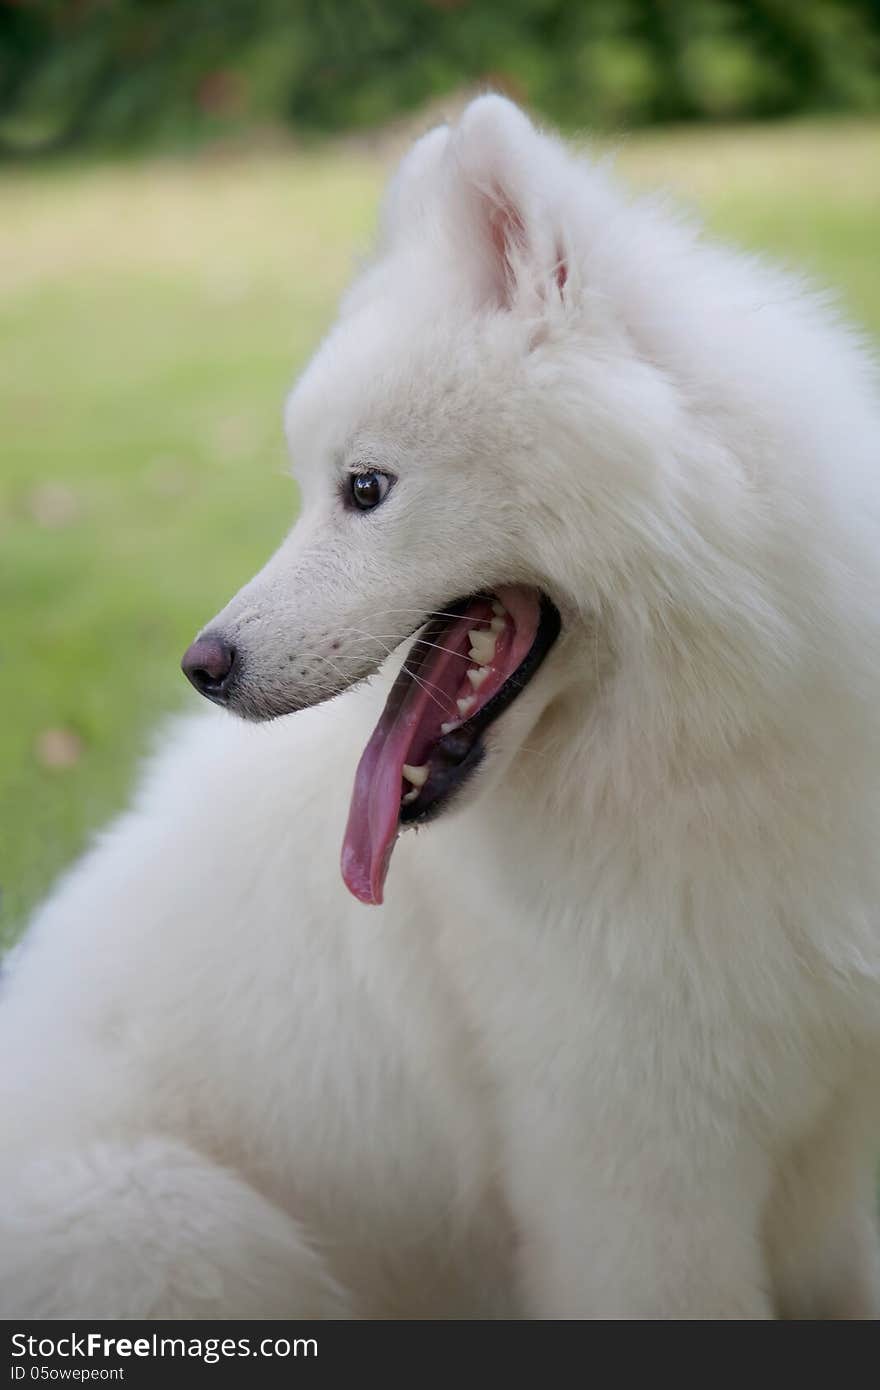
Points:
[(410, 724)]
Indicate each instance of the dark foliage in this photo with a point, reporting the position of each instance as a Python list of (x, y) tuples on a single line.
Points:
[(127, 72)]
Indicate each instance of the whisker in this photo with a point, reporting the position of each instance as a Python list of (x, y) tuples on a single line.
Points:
[(384, 637), (342, 675), (387, 612), (420, 680), (438, 646)]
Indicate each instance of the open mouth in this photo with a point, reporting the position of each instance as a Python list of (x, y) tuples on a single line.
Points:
[(462, 672)]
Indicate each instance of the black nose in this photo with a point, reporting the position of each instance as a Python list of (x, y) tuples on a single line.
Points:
[(209, 664)]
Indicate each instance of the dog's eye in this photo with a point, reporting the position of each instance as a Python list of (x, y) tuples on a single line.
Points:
[(368, 489)]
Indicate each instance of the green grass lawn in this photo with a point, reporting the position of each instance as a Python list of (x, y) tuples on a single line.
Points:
[(151, 317)]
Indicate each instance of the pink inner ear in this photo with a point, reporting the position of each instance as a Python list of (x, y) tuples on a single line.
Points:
[(506, 231), (507, 234)]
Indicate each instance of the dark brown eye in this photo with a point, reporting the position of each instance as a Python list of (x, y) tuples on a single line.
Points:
[(369, 489)]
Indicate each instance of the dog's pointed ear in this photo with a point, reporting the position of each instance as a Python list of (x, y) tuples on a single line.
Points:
[(504, 206), (414, 187)]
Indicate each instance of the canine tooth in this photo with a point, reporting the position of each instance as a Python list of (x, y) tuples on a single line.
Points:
[(465, 705), (417, 775), (410, 796), (482, 647), (477, 677), (447, 728), (498, 625), (498, 609)]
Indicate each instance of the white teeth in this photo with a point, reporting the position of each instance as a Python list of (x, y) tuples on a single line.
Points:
[(498, 609), (447, 728), (498, 625), (477, 677), (418, 776), (482, 647), (465, 705), (410, 796)]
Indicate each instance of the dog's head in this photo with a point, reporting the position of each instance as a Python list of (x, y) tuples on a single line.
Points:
[(459, 471)]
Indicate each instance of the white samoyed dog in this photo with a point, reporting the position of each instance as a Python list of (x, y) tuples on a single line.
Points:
[(610, 1046)]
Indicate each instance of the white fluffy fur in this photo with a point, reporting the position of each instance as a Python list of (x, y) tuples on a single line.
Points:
[(611, 1047)]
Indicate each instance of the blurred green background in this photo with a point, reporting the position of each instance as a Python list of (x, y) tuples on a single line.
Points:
[(184, 188), (130, 72)]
